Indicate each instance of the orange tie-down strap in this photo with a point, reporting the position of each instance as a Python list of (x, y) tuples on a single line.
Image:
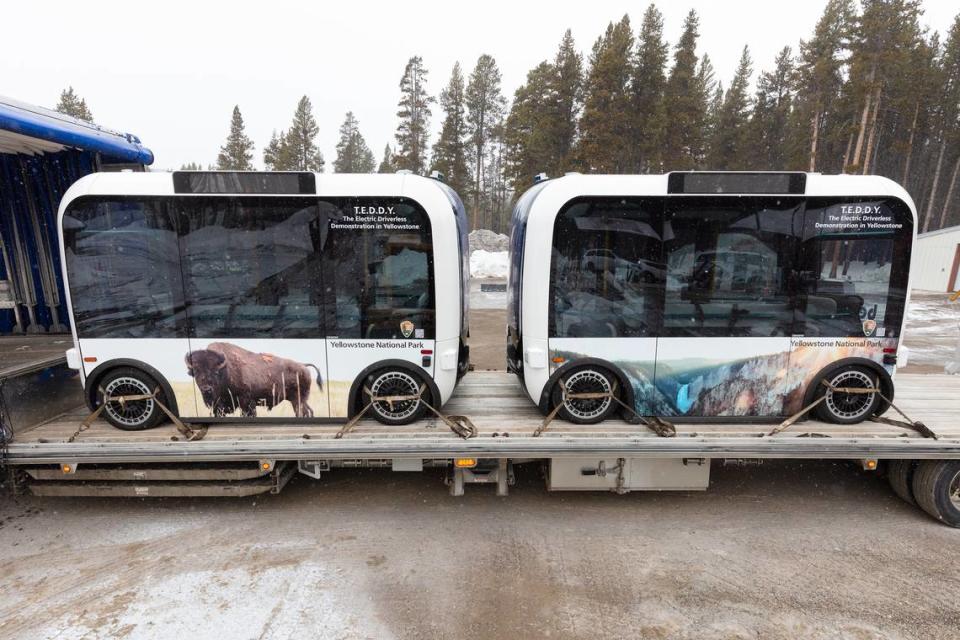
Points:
[(191, 434), (460, 425), (659, 426), (919, 427)]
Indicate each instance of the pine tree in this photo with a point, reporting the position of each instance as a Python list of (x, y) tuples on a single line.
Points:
[(647, 89), (387, 164), (73, 105), (191, 166), (300, 147), (947, 130), (237, 152), (413, 131), (450, 150), (531, 146), (275, 154), (563, 106), (353, 154), (683, 135), (606, 122), (728, 149), (770, 120), (485, 111), (820, 76)]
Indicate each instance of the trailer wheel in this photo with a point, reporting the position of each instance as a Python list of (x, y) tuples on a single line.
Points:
[(848, 408), (936, 488), (397, 382), (586, 379), (133, 415), (900, 476)]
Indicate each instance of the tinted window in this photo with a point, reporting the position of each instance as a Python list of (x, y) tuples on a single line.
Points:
[(251, 267), (854, 262), (124, 269), (380, 253), (607, 269), (729, 263)]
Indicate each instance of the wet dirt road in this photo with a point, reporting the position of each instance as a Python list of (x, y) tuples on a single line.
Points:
[(779, 551)]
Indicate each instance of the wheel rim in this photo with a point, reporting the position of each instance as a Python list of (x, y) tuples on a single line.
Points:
[(850, 406), (587, 381), (132, 413), (395, 383)]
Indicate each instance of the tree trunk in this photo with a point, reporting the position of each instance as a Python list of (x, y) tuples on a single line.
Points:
[(868, 154), (913, 131), (933, 188), (814, 138), (846, 156), (950, 190)]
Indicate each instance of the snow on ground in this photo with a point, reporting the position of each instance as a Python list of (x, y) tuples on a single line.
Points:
[(489, 264)]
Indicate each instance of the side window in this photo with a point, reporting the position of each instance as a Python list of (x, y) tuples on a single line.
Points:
[(854, 262), (251, 267), (124, 269), (606, 270), (380, 255), (729, 266)]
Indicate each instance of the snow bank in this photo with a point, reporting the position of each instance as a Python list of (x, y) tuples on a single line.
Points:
[(488, 240), (489, 264)]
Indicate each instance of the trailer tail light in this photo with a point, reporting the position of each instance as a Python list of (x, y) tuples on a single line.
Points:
[(464, 463)]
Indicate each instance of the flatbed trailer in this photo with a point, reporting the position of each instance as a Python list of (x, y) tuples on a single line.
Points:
[(60, 457)]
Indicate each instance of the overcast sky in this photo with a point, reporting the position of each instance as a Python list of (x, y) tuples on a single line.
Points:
[(170, 72)]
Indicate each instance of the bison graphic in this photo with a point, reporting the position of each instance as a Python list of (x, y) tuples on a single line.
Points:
[(230, 378)]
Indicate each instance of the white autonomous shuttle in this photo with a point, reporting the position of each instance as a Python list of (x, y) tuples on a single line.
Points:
[(265, 296), (709, 295)]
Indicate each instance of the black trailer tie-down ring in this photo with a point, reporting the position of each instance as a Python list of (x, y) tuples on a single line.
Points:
[(460, 425), (658, 425), (192, 435), (907, 423)]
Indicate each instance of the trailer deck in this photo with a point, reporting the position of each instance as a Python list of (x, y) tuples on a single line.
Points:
[(506, 420)]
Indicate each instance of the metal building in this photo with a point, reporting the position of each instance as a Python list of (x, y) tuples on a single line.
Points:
[(42, 153), (936, 260)]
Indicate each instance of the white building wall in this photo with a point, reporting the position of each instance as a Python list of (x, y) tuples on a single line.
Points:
[(933, 258)]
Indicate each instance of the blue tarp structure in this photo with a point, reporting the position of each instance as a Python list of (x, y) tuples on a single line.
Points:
[(42, 153)]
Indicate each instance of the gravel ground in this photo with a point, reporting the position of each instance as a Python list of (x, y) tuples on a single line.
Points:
[(784, 550)]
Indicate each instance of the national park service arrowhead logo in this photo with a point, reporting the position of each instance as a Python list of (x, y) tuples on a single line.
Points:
[(869, 326), (406, 328)]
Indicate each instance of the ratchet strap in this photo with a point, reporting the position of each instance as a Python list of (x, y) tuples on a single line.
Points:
[(189, 433), (659, 426), (907, 423), (460, 425)]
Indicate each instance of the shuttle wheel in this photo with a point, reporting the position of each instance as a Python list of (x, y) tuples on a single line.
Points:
[(849, 408), (936, 488), (900, 477), (132, 415), (396, 382), (587, 379)]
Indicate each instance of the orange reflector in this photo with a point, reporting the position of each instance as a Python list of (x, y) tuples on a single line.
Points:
[(265, 466), (89, 359), (464, 463), (558, 359), (66, 468)]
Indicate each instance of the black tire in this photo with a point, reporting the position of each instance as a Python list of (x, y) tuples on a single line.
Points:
[(397, 382), (900, 476), (848, 408), (936, 488), (584, 379), (136, 415)]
